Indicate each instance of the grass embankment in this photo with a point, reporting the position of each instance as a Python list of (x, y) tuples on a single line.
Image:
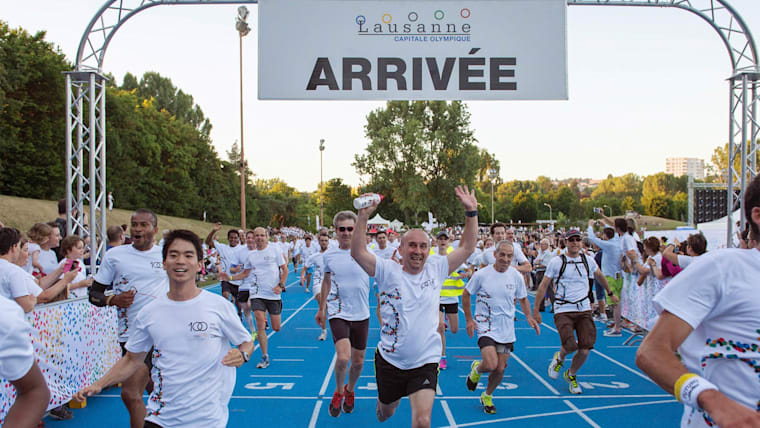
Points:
[(22, 213)]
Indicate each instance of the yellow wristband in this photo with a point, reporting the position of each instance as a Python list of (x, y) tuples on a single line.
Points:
[(679, 383)]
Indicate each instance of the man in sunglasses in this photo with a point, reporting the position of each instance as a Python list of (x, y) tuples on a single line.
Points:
[(407, 356), (570, 273), (345, 295)]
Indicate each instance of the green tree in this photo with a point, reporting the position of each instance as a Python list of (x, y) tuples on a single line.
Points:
[(420, 151), (32, 115), (524, 208), (337, 198)]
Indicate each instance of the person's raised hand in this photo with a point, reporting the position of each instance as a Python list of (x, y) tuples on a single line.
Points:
[(467, 198)]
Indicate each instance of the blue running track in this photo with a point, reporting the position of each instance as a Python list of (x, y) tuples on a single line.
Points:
[(295, 390)]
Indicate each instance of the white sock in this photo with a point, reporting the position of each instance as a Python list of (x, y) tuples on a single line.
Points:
[(249, 322)]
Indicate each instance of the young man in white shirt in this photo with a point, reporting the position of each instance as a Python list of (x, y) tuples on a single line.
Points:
[(452, 288), (18, 365), (572, 307), (500, 232), (138, 278), (15, 283), (188, 331), (495, 288), (612, 251), (316, 264), (406, 359), (710, 315), (267, 268), (345, 299), (302, 253), (229, 254)]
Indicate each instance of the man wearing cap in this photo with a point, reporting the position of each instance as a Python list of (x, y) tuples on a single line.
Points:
[(569, 274), (452, 288)]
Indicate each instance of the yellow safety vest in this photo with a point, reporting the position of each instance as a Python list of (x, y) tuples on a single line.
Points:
[(453, 286)]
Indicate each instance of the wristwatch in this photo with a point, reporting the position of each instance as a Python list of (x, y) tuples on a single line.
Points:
[(610, 293), (245, 355)]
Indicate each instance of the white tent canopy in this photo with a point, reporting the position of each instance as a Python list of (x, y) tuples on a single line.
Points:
[(397, 225), (377, 220)]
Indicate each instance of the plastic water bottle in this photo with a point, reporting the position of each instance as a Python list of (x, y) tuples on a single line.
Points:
[(367, 200)]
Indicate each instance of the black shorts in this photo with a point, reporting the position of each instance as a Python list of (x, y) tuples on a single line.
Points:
[(148, 357), (243, 296), (274, 307), (149, 424), (449, 308), (355, 331), (394, 383), (501, 348), (230, 288)]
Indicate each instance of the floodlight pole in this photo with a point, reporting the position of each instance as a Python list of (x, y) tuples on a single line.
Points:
[(550, 211), (242, 27), (321, 183), (492, 176)]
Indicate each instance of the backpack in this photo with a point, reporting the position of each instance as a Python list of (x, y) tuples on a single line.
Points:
[(590, 294)]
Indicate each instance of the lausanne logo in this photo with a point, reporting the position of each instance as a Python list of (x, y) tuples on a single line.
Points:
[(414, 24)]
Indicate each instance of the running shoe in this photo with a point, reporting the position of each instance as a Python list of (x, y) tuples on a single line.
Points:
[(335, 404), (264, 363), (487, 402), (474, 377), (61, 413), (612, 333), (572, 382), (323, 335), (442, 364), (348, 402), (555, 366)]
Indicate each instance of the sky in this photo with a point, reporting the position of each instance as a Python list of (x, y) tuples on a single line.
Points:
[(645, 83)]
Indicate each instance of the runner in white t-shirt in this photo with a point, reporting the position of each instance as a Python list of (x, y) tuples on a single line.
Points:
[(500, 232), (316, 263), (229, 254), (18, 365), (710, 315), (345, 296), (244, 291), (267, 268), (406, 359), (572, 307), (187, 332), (495, 288), (138, 277), (15, 283), (302, 253)]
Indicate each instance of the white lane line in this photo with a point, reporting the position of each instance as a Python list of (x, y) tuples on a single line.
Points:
[(298, 347), (315, 414), (286, 321), (328, 376), (462, 397), (581, 414), (542, 347), (274, 375), (538, 415), (463, 347), (636, 372), (449, 416), (288, 359), (531, 371)]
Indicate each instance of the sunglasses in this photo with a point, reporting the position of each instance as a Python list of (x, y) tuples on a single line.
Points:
[(343, 229), (574, 239)]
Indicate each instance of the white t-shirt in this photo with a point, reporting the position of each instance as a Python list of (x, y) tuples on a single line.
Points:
[(475, 257), (317, 261), (48, 260), (31, 248), (684, 260), (265, 271), (573, 285), (495, 293), (409, 307), (349, 286), (719, 298), (386, 253), (628, 242), (15, 282), (191, 386), (305, 251), (489, 259), (16, 351), (130, 269), (229, 256)]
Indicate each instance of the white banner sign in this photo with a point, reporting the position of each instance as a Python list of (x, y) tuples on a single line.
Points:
[(413, 50)]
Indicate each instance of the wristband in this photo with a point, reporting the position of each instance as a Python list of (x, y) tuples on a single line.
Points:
[(471, 213), (108, 300), (610, 293), (689, 386)]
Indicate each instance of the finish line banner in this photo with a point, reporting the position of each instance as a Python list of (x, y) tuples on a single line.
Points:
[(412, 50)]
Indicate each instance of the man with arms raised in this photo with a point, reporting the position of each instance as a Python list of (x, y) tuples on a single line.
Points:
[(138, 277), (268, 268), (189, 331), (345, 294), (229, 254), (710, 314), (572, 307), (406, 360)]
